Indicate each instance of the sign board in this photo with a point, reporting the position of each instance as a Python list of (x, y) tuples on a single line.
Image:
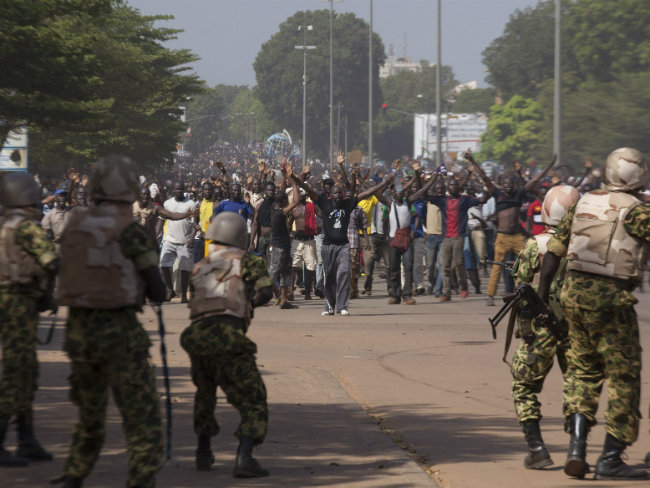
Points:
[(13, 154), (355, 157), (458, 132)]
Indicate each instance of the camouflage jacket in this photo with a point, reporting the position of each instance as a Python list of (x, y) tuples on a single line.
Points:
[(35, 242), (594, 292), (223, 334), (107, 333)]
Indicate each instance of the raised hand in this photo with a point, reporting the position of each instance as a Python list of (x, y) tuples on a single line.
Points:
[(340, 158)]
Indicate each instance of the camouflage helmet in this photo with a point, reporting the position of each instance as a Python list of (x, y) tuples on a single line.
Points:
[(556, 203), (625, 170), (114, 179), (19, 189), (228, 228)]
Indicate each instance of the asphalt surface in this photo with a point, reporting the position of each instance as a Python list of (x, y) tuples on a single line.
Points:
[(390, 396)]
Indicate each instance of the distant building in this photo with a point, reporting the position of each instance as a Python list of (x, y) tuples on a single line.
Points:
[(470, 85), (394, 65)]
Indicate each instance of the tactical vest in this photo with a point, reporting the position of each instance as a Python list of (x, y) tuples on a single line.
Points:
[(599, 243), (17, 266), (218, 286), (94, 272)]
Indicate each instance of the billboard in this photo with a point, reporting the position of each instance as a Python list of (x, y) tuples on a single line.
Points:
[(458, 132), (13, 154)]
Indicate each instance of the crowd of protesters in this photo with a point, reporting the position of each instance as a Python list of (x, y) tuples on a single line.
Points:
[(327, 237)]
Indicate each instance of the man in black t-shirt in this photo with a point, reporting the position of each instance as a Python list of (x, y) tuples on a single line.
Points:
[(336, 212)]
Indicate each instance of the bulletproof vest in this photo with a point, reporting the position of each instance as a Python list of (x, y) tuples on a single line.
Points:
[(218, 286), (17, 266), (599, 243), (94, 272)]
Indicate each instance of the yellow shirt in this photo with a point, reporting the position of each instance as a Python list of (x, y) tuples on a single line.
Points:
[(367, 206), (205, 212)]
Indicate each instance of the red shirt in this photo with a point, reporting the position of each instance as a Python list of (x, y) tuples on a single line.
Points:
[(535, 211), (453, 217)]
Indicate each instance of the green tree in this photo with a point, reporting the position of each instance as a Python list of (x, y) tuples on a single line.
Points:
[(478, 100), (522, 58), (51, 72), (597, 117), (609, 38), (279, 70), (144, 83), (513, 130)]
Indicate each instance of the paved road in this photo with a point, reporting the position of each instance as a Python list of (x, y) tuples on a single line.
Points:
[(391, 396)]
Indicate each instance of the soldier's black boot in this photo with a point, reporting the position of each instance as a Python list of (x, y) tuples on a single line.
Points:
[(610, 465), (246, 466), (576, 459), (6, 459), (204, 457), (538, 457), (28, 446), (68, 481), (647, 459)]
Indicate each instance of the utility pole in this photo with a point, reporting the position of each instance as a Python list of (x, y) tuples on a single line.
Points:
[(438, 118), (557, 113), (370, 149), (304, 48)]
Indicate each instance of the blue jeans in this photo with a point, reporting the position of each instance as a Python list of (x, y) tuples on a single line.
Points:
[(433, 245)]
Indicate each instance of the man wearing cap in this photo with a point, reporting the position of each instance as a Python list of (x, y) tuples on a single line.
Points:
[(55, 221)]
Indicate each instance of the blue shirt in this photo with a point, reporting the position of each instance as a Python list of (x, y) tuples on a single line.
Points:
[(240, 208), (420, 207)]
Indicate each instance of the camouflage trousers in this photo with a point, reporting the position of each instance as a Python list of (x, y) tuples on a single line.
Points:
[(222, 356), (242, 383), (604, 345), (355, 260), (531, 363), (18, 324), (100, 364)]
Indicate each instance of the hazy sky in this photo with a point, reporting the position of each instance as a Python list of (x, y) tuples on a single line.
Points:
[(228, 34)]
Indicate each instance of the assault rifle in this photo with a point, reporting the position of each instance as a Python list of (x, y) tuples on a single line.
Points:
[(537, 308)]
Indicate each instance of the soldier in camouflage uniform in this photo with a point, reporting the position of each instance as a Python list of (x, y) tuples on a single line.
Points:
[(533, 358), (109, 263), (226, 285), (27, 264), (605, 238)]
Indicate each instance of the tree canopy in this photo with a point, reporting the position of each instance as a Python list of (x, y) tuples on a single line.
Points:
[(605, 74), (279, 73), (103, 82)]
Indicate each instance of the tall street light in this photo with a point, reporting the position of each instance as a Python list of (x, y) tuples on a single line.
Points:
[(438, 64), (331, 2), (556, 92), (370, 158), (304, 48)]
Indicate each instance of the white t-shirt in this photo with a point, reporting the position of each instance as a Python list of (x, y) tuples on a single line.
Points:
[(179, 231), (404, 215)]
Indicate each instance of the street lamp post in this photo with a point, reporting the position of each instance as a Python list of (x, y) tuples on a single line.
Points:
[(370, 148), (331, 154), (438, 127), (304, 48)]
